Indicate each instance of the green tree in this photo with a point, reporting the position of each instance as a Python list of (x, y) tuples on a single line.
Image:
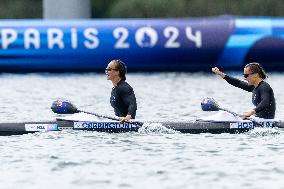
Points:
[(148, 8), (100, 8), (194, 8), (11, 9)]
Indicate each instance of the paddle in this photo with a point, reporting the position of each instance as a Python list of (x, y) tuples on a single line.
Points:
[(66, 107), (209, 104)]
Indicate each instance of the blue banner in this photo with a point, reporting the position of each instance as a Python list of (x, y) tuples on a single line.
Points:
[(143, 44)]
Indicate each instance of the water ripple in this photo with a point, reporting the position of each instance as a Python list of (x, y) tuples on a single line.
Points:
[(154, 157)]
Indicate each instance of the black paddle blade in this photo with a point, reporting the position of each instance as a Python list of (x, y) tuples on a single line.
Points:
[(209, 104), (63, 107)]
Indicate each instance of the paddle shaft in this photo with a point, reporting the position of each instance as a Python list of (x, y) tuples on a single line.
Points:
[(235, 114), (66, 107)]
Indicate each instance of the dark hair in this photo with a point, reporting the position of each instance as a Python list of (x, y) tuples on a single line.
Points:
[(257, 68), (121, 67)]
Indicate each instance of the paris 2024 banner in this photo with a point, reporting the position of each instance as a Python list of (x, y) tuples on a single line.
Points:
[(185, 44)]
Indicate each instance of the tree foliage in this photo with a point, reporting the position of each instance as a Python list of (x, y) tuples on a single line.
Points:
[(153, 8), (14, 9)]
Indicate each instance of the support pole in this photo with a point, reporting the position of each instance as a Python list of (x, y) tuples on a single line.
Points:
[(66, 9)]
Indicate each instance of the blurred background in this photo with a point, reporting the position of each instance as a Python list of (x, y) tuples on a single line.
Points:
[(18, 9)]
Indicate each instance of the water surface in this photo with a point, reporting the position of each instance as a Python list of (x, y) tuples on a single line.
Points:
[(152, 158)]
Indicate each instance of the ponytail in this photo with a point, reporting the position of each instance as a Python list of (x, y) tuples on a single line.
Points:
[(257, 68)]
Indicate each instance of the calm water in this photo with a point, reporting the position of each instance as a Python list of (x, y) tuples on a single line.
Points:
[(153, 157)]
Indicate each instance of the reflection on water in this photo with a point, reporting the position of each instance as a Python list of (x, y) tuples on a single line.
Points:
[(154, 157)]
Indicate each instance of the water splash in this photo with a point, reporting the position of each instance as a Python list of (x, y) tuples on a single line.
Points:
[(155, 128), (261, 132)]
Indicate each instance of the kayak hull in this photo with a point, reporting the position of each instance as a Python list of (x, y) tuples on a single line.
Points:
[(193, 127)]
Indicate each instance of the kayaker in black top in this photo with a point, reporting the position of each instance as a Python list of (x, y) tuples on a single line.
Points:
[(262, 93), (122, 98)]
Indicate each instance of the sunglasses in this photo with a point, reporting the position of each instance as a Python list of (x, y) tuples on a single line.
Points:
[(246, 75), (109, 69)]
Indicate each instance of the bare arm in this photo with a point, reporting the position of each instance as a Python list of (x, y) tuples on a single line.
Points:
[(218, 72)]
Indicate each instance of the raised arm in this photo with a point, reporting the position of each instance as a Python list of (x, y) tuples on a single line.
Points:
[(233, 81)]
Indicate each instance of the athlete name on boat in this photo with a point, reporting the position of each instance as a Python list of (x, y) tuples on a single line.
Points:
[(251, 125), (103, 125), (41, 127)]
